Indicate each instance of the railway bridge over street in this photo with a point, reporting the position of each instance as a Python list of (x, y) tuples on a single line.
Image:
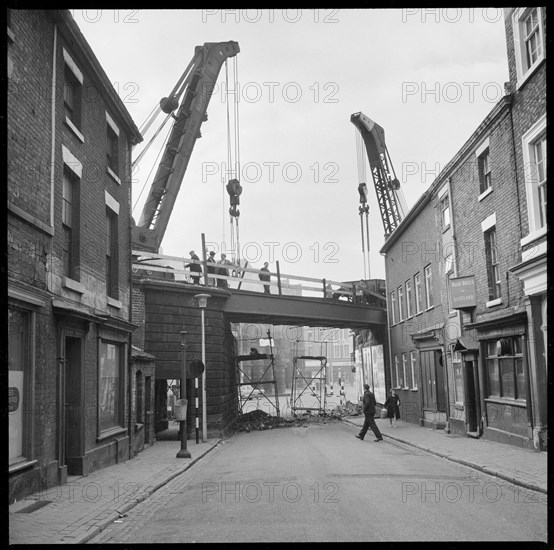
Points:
[(165, 300)]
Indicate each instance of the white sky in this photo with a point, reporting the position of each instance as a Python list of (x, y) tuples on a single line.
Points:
[(428, 77)]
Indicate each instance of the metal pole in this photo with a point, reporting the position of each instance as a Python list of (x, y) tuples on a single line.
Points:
[(183, 452), (204, 408), (196, 428)]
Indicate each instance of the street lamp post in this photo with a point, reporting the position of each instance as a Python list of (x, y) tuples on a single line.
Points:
[(202, 303), (183, 452)]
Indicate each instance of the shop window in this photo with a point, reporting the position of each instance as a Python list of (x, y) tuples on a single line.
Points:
[(19, 374), (110, 386), (505, 368)]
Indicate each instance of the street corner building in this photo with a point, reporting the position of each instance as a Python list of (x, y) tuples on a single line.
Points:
[(69, 257), (466, 269)]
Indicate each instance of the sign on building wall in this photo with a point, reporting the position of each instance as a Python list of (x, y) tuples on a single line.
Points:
[(462, 292)]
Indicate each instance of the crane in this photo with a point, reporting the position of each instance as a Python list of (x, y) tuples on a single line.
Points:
[(196, 86), (389, 196)]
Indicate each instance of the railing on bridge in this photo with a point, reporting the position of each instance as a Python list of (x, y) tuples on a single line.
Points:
[(281, 284)]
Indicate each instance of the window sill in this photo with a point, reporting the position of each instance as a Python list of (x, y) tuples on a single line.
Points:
[(112, 302), (111, 433), (533, 236), (484, 194), (430, 308), (113, 175), (74, 129), (405, 389), (493, 303), (76, 286), (522, 79), (21, 465), (414, 389)]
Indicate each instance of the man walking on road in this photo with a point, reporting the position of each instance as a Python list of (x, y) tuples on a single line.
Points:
[(369, 412)]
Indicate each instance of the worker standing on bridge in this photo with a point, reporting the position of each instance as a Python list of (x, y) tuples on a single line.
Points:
[(210, 268), (194, 268), (222, 270), (265, 276)]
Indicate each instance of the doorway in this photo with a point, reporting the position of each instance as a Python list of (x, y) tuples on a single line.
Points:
[(73, 443), (432, 377)]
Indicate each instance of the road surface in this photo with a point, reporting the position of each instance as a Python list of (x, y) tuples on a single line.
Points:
[(320, 483)]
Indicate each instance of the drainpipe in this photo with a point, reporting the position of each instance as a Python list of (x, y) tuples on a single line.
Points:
[(388, 325), (53, 131), (130, 315)]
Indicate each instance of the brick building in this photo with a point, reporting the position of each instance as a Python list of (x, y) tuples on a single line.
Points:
[(466, 270), (526, 40), (69, 289)]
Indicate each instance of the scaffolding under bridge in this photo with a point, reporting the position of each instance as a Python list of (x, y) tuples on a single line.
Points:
[(309, 381)]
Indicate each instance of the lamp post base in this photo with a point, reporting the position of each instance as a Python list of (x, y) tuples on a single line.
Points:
[(184, 453)]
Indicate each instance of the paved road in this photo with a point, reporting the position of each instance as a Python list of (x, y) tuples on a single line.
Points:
[(319, 483)]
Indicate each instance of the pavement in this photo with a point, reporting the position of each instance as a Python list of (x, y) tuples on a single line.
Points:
[(77, 511)]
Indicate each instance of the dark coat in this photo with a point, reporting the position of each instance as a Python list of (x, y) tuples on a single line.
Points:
[(264, 276), (392, 405), (194, 267), (210, 268), (369, 403)]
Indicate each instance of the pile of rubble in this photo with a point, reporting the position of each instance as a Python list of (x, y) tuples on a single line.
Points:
[(261, 420)]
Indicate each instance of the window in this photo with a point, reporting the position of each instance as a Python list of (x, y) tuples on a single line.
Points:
[(528, 41), (110, 386), (428, 286), (72, 92), (408, 286), (397, 373), (112, 150), (19, 365), (112, 147), (483, 166), (336, 351), (493, 268), (505, 370), (539, 153), (70, 226), (534, 162), (458, 377), (404, 370), (445, 212), (418, 293), (393, 307), (400, 304), (413, 369), (111, 253)]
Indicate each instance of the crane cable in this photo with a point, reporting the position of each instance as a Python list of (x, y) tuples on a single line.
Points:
[(361, 162), (233, 154)]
